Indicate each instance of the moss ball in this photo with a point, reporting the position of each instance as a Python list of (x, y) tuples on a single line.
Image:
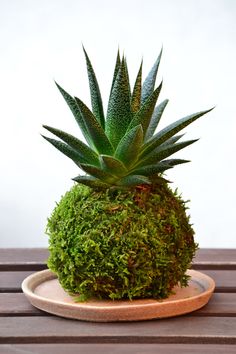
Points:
[(120, 244)]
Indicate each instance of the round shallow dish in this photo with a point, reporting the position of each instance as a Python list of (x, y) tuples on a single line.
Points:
[(44, 292)]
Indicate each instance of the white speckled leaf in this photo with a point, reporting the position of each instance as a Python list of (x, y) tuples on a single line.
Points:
[(171, 130), (112, 165), (143, 116), (96, 99), (149, 82), (174, 162), (149, 170), (117, 67), (163, 152), (76, 111), (97, 134), (66, 150), (119, 110), (132, 180), (82, 149), (172, 140), (98, 173), (137, 91), (156, 116), (90, 181), (128, 149)]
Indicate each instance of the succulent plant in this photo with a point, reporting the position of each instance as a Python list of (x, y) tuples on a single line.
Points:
[(123, 148), (121, 232)]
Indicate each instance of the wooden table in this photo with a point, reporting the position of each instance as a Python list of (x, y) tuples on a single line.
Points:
[(24, 329)]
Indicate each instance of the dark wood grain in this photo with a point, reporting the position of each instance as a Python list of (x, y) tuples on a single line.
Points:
[(11, 281), (215, 259), (35, 259), (220, 304), (15, 259), (52, 329), (27, 330), (12, 304), (116, 349), (211, 255), (17, 305), (225, 280)]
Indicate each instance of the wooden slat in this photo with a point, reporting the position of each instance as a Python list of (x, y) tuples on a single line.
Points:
[(185, 329), (210, 258), (220, 304), (24, 329), (35, 259), (11, 281), (17, 305), (23, 258), (116, 349), (225, 280)]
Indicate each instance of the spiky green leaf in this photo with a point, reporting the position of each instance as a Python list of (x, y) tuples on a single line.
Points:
[(157, 179), (163, 152), (156, 116), (132, 180), (96, 99), (75, 110), (143, 116), (98, 173), (96, 132), (174, 162), (128, 149), (91, 181), (172, 140), (149, 82), (127, 76), (137, 91), (87, 154), (66, 150), (150, 170), (112, 165), (117, 67), (119, 110), (171, 130)]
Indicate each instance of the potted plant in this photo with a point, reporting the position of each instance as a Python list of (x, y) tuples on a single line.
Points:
[(121, 233)]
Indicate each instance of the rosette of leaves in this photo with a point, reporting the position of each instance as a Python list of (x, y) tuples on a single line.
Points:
[(120, 232), (122, 148)]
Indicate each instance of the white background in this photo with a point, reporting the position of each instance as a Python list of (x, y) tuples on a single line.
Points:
[(41, 41)]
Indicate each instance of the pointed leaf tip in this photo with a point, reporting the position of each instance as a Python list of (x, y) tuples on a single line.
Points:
[(137, 91), (149, 82), (75, 110), (66, 150), (169, 131), (86, 153), (96, 98), (143, 116)]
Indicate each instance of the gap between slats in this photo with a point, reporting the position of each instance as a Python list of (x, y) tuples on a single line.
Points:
[(183, 329), (220, 305), (10, 267), (225, 280), (34, 259)]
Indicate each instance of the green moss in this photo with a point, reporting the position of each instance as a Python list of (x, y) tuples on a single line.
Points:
[(117, 244)]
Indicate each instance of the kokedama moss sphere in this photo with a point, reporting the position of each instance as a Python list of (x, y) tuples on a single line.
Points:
[(135, 243)]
